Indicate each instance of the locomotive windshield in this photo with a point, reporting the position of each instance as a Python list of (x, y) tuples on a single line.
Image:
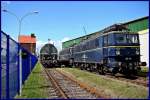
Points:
[(121, 38), (132, 38), (126, 38)]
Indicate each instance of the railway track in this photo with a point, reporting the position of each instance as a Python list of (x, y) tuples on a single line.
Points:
[(51, 90), (68, 88)]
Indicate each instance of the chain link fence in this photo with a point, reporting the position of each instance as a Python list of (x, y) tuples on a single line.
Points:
[(16, 63)]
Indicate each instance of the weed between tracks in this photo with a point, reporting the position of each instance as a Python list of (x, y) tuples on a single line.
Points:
[(36, 85), (111, 87)]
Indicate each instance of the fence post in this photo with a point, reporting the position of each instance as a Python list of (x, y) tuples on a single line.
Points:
[(0, 68), (18, 88), (7, 68), (30, 64), (20, 71)]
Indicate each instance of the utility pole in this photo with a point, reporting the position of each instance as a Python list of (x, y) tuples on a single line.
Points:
[(84, 30), (49, 41), (85, 37), (20, 51)]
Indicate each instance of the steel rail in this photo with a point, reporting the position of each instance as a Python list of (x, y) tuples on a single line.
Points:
[(55, 83), (88, 88)]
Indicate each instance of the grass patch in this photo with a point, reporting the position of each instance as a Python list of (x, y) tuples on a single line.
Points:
[(112, 87), (144, 69), (35, 86)]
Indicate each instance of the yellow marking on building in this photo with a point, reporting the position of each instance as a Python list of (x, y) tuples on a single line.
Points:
[(143, 31), (122, 46)]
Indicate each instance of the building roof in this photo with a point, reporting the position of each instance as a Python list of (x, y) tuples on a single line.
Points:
[(139, 19), (26, 39)]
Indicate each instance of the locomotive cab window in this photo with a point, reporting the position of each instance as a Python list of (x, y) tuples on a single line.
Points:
[(126, 38), (120, 38), (132, 38)]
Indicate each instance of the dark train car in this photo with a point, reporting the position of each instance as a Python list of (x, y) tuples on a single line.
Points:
[(65, 57), (115, 50), (49, 55)]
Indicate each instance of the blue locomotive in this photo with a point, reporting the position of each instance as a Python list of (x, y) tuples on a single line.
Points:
[(115, 49)]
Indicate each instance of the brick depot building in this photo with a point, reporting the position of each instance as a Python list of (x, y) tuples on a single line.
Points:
[(28, 42)]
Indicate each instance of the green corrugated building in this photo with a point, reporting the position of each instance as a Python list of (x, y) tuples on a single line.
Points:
[(138, 24)]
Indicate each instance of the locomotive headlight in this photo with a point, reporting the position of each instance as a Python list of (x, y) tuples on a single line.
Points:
[(130, 64), (117, 51), (119, 63), (130, 58), (126, 58)]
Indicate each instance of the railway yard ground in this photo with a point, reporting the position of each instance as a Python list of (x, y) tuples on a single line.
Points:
[(112, 87), (38, 85)]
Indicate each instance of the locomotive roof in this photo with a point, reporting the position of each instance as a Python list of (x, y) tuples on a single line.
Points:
[(126, 32), (48, 49), (114, 27), (48, 44)]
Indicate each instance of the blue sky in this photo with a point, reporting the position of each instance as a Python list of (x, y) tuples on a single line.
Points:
[(63, 20)]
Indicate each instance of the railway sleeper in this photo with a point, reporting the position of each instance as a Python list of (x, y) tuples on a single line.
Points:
[(73, 90)]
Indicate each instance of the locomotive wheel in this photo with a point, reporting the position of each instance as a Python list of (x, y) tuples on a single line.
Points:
[(114, 71), (91, 68), (135, 72), (101, 70), (81, 66)]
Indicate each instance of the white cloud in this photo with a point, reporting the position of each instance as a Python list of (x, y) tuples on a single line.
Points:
[(39, 45), (65, 39), (58, 43)]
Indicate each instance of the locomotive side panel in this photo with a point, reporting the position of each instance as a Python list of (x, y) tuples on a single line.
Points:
[(115, 51)]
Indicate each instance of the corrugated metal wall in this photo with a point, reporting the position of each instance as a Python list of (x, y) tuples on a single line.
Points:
[(71, 42), (75, 41), (138, 25)]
